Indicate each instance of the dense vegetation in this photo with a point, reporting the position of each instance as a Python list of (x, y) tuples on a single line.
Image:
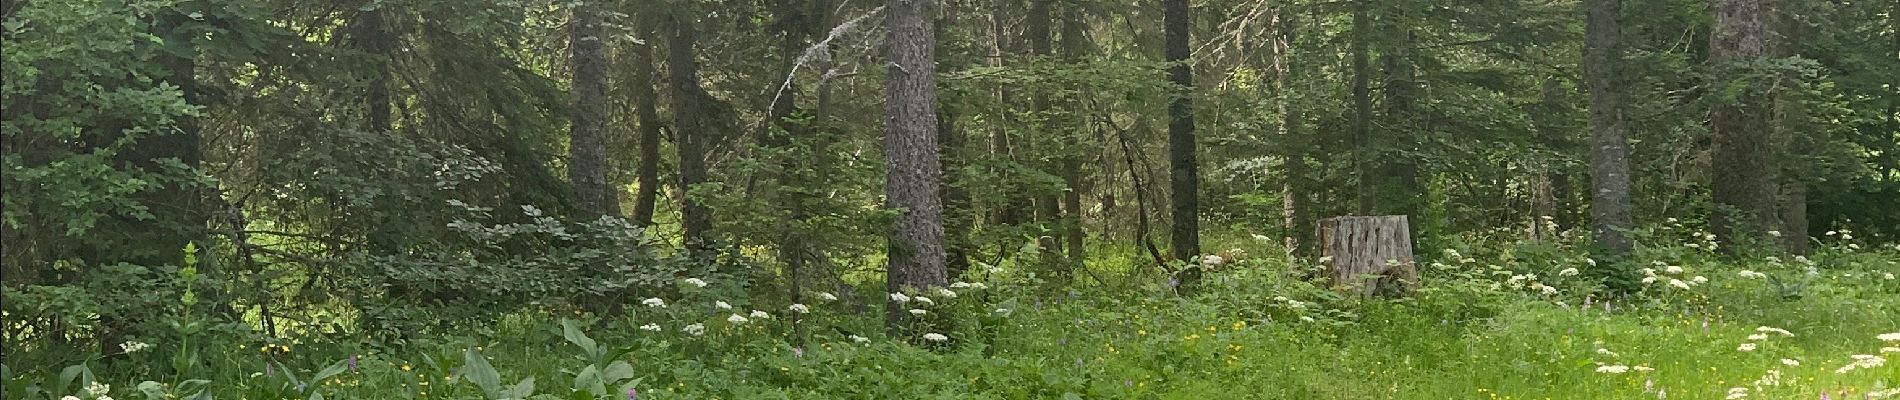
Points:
[(946, 199)]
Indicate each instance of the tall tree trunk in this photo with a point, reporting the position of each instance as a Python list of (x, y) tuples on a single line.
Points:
[(691, 129), (1015, 204), (1790, 129), (1183, 171), (587, 144), (1293, 208), (1399, 189), (958, 214), (795, 27), (1075, 50), (369, 33), (1361, 102), (646, 109), (1609, 145), (1743, 178), (1048, 207), (912, 172)]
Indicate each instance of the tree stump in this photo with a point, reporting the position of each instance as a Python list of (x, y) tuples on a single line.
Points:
[(1369, 255)]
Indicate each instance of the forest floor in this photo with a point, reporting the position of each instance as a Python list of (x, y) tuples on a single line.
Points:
[(1499, 321)]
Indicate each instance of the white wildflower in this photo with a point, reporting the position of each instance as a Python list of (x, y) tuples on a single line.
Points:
[(925, 300), (1547, 289), (1694, 246), (736, 319), (1678, 283), (722, 305), (960, 285), (917, 311), (1745, 347), (650, 327), (1567, 272), (1889, 337), (134, 347), (1698, 279), (694, 329), (1887, 276), (1306, 318), (1642, 368), (1737, 393), (1884, 350), (1774, 330), (1003, 312), (1613, 369), (827, 296), (798, 308), (946, 293), (1606, 352), (1790, 362), (900, 297), (1213, 260), (69, 397), (935, 337), (696, 282), (1774, 233), (860, 339), (96, 389), (654, 302), (1673, 269), (1649, 280), (1758, 336), (1751, 274), (760, 314), (1862, 361), (1832, 233)]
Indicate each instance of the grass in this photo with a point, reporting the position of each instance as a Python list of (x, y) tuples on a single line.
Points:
[(1256, 331)]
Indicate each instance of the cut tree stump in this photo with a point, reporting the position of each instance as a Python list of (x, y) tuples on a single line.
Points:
[(1369, 255)]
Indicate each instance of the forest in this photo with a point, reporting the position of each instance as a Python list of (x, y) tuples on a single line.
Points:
[(949, 199)]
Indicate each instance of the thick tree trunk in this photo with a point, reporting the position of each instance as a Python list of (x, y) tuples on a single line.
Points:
[(912, 172), (587, 142), (1368, 255), (1743, 170), (1184, 171), (1609, 147), (691, 129), (1790, 130), (646, 109)]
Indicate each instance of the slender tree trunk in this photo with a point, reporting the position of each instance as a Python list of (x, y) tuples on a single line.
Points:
[(646, 109), (691, 129), (959, 216), (1184, 174), (1293, 196), (1743, 178), (587, 142), (369, 33), (912, 172), (1361, 102), (1609, 145), (1048, 207), (1075, 48)]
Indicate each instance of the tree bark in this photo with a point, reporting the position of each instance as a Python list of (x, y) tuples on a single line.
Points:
[(1361, 125), (1183, 172), (1609, 145), (369, 33), (1293, 208), (691, 129), (1743, 178), (1075, 49), (646, 109), (912, 172), (1368, 255), (587, 144)]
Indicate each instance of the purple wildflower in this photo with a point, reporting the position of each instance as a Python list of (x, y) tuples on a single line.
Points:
[(352, 362), (633, 394), (798, 352), (270, 370)]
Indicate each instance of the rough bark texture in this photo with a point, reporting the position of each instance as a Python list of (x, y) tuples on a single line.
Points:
[(1368, 255), (1609, 146), (646, 109), (1743, 178), (691, 129), (1183, 172), (586, 140), (912, 172)]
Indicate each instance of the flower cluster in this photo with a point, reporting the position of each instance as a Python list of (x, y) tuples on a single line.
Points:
[(1671, 275)]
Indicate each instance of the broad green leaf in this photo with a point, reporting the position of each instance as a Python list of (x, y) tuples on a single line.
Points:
[(478, 371), (572, 331), (588, 380), (617, 371)]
